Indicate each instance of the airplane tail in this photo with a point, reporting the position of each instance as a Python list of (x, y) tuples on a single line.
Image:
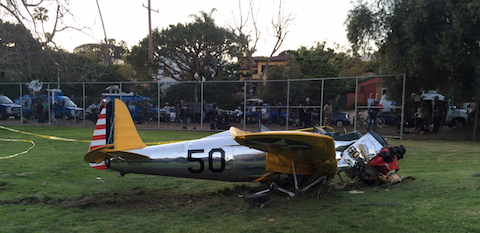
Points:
[(99, 137), (114, 131)]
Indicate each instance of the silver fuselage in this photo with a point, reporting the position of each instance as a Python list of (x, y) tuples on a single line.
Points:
[(220, 157), (217, 157)]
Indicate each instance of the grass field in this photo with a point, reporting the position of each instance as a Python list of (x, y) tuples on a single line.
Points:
[(51, 189)]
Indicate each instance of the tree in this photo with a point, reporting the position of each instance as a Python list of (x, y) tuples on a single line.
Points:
[(434, 42), (98, 52), (183, 50), (280, 31), (34, 16), (313, 62), (22, 59), (19, 51), (220, 93), (248, 40), (28, 51)]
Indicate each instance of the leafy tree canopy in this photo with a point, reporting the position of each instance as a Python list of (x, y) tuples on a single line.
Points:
[(23, 59), (313, 62), (182, 50), (98, 52), (223, 94), (18, 50), (434, 42)]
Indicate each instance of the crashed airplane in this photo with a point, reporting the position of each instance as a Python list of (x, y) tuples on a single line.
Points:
[(283, 158)]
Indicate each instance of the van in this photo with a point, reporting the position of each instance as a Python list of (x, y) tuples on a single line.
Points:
[(64, 107), (133, 102), (8, 108)]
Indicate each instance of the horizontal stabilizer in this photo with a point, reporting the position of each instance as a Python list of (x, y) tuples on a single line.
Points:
[(97, 155), (130, 156)]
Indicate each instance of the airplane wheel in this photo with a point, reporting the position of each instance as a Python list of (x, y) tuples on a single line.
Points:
[(188, 119)]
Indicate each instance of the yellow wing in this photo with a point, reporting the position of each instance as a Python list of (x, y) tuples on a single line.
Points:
[(310, 152)]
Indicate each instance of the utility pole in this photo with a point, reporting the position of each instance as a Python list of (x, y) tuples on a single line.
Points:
[(107, 53), (150, 43)]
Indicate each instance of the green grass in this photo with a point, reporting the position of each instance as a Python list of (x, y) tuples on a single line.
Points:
[(51, 189)]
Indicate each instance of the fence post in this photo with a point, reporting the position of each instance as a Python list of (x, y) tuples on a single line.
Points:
[(356, 103), (84, 104), (21, 105), (403, 107), (321, 103), (244, 104), (202, 118), (158, 104), (288, 105), (48, 102)]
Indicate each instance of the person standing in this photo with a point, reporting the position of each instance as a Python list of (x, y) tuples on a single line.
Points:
[(183, 109), (167, 112), (372, 114), (328, 111), (94, 111), (177, 113), (26, 111), (40, 112), (438, 111), (45, 110), (146, 112), (264, 115), (219, 120), (472, 106), (421, 117), (308, 112)]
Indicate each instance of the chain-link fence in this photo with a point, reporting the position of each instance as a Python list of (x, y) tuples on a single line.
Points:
[(341, 103)]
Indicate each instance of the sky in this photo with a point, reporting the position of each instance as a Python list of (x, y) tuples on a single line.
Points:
[(127, 20)]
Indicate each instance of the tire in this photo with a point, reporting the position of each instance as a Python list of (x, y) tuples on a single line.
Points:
[(339, 123), (3, 115), (380, 122), (188, 119), (65, 117), (458, 123)]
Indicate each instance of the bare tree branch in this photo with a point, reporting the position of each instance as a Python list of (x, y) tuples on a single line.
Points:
[(32, 15), (280, 32), (249, 39)]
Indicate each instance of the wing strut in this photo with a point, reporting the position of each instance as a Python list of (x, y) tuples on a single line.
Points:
[(295, 177), (274, 186), (316, 178)]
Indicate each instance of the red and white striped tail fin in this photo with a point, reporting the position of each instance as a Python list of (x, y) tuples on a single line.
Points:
[(99, 137)]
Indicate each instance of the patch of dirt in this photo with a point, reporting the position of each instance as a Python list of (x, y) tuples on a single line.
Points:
[(137, 197)]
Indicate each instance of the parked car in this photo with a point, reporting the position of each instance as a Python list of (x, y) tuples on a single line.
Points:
[(453, 117), (340, 118), (173, 115), (8, 108)]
